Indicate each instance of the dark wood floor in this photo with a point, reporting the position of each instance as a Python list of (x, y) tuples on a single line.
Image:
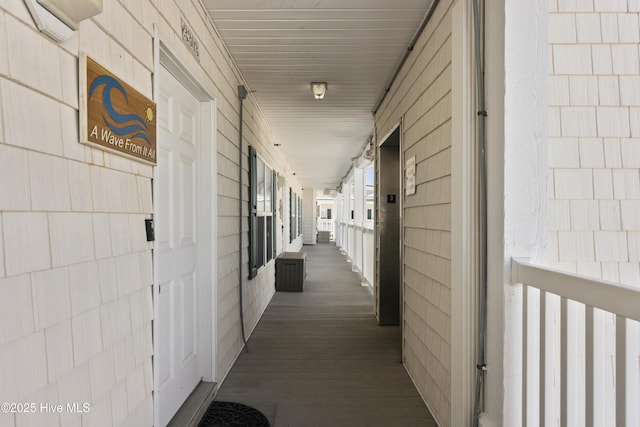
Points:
[(318, 358)]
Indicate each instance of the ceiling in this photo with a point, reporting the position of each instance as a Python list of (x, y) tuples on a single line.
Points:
[(281, 46)]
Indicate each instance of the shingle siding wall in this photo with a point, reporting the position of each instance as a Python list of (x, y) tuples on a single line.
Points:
[(75, 268), (421, 96), (594, 145)]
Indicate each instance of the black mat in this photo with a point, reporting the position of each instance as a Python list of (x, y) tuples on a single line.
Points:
[(231, 414)]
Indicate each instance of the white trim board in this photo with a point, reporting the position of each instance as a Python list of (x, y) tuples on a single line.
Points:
[(465, 234)]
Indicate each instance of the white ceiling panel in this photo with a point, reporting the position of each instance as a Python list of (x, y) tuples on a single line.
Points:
[(281, 46)]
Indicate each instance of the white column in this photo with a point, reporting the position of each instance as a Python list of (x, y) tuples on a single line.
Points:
[(358, 219), (309, 218), (516, 70), (464, 218), (337, 218), (346, 216), (358, 179)]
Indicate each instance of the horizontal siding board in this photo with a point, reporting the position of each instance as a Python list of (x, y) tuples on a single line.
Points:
[(434, 217), (436, 166), (228, 245), (431, 266), (227, 168), (435, 192), (435, 242), (228, 206)]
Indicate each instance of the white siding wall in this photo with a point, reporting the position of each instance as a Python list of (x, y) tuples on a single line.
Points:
[(594, 145), (421, 96), (76, 275), (75, 267), (257, 292)]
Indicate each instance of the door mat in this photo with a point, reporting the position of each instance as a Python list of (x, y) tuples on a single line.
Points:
[(231, 414)]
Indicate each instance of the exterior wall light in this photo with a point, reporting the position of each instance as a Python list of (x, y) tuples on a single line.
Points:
[(318, 89), (58, 19)]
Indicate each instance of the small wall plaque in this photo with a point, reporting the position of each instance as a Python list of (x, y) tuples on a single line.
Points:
[(410, 174), (190, 40)]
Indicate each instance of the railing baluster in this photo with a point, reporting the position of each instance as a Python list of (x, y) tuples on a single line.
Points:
[(525, 348), (543, 356), (589, 368), (621, 371), (619, 300), (564, 341)]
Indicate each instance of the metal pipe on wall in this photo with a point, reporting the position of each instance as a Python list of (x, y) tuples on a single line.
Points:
[(482, 115), (242, 94)]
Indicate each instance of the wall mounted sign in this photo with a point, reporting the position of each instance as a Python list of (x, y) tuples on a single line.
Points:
[(190, 40), (410, 174), (114, 116)]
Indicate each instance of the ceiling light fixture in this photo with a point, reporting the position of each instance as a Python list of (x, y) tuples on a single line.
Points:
[(318, 89)]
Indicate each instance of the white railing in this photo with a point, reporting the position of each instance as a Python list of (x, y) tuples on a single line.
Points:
[(575, 371), (368, 255), (357, 243), (327, 225)]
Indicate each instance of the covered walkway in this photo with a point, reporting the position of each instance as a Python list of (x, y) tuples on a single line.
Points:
[(318, 358)]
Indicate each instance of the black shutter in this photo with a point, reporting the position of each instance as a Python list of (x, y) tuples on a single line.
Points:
[(274, 200), (292, 222), (253, 214)]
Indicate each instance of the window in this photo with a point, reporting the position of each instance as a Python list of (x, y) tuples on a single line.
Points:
[(369, 193), (261, 213)]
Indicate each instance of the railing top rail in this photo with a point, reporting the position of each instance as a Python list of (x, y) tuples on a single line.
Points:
[(609, 296)]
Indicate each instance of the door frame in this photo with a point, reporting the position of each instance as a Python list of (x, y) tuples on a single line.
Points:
[(380, 142), (182, 68)]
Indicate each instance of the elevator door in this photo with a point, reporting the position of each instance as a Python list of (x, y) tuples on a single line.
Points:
[(388, 220)]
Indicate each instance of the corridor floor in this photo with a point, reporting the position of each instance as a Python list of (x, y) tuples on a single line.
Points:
[(318, 358)]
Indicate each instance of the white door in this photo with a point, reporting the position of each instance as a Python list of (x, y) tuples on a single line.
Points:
[(181, 273)]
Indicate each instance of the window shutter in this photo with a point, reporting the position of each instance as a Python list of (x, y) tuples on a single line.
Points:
[(292, 219), (253, 213), (274, 200)]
